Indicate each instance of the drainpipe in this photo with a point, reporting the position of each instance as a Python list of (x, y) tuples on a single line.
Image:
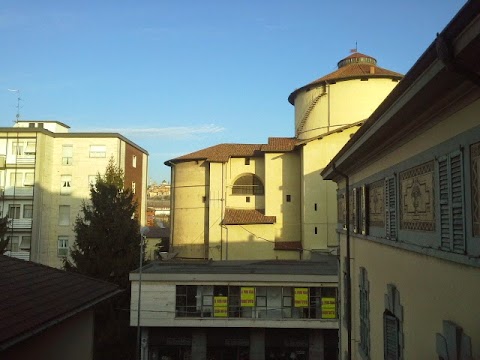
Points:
[(172, 206), (348, 280), (327, 86)]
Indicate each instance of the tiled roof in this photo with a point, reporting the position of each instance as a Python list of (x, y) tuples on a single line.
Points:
[(279, 144), (221, 153), (351, 70), (288, 245), (34, 297), (243, 217)]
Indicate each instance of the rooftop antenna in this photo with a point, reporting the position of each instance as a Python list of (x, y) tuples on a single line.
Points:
[(18, 103)]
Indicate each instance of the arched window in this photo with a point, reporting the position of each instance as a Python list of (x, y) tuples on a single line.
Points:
[(248, 184)]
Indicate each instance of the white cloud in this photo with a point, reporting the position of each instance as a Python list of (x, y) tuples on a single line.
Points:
[(174, 132)]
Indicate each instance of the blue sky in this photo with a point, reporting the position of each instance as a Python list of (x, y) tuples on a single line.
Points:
[(179, 76)]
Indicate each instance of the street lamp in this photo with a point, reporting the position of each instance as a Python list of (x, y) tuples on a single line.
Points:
[(143, 231)]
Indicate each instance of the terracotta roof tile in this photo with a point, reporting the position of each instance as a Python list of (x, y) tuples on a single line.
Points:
[(288, 245), (243, 217), (34, 297), (221, 153), (351, 69), (279, 144)]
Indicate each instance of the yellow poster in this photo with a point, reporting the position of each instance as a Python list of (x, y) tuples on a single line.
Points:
[(301, 297), (329, 310), (247, 296), (220, 306)]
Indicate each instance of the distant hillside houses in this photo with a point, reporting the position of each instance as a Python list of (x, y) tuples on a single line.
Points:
[(155, 190)]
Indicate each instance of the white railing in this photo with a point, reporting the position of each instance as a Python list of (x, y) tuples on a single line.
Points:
[(21, 159), (21, 223), (19, 191), (22, 255)]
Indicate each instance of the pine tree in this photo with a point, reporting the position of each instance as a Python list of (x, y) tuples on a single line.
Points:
[(3, 230), (107, 247)]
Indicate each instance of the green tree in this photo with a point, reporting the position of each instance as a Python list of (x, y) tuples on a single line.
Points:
[(3, 231), (107, 247)]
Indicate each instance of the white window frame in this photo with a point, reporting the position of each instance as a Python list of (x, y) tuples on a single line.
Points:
[(134, 161), (29, 179), (66, 184), (62, 249), (64, 215), (17, 210), (25, 211), (98, 151), (67, 154)]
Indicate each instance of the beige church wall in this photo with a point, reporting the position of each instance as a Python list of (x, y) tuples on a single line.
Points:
[(282, 174), (188, 208), (430, 292), (343, 103), (319, 206)]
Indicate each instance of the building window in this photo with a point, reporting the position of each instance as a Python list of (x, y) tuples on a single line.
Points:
[(134, 187), (17, 148), (67, 154), (30, 148), (453, 340), (16, 179), (248, 185), (315, 230), (27, 211), (13, 243), (98, 151), (363, 217), (66, 184), (64, 215), (451, 202), (355, 209), (247, 161), (393, 325), (364, 285), (29, 179), (289, 198), (268, 302), (315, 207), (390, 208), (134, 161), (62, 245), (247, 199), (25, 243), (204, 199), (14, 211)]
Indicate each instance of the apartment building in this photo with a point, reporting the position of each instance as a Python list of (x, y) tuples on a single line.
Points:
[(45, 175)]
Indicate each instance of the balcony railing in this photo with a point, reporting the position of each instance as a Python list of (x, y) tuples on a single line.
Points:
[(19, 191), (22, 255), (20, 223)]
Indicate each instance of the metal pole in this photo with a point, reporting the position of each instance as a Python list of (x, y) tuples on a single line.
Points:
[(143, 231), (139, 296)]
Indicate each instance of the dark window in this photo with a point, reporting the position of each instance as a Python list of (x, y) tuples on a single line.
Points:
[(315, 230), (204, 199), (390, 336), (247, 199), (289, 198), (315, 207), (248, 185), (390, 208), (364, 313), (247, 161)]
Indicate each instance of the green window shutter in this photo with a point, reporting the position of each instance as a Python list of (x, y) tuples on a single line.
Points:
[(452, 202), (390, 341), (390, 209), (355, 210)]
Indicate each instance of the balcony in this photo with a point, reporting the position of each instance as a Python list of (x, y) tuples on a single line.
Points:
[(20, 160), (22, 255), (18, 191), (18, 224)]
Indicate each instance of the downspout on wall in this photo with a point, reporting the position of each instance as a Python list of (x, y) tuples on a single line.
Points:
[(348, 278)]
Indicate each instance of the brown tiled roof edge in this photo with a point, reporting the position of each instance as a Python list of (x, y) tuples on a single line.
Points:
[(245, 217), (288, 245)]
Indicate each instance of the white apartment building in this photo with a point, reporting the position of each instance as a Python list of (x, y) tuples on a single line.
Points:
[(45, 175)]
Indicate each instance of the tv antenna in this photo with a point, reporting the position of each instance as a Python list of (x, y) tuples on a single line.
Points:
[(18, 103)]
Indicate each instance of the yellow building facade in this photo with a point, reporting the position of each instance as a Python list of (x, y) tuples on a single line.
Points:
[(267, 201), (409, 210)]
